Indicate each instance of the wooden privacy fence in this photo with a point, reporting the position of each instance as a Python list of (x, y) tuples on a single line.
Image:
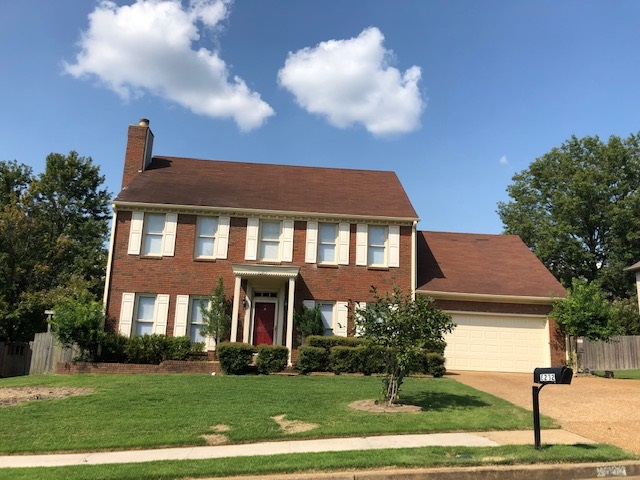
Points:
[(46, 353), (14, 359), (620, 353)]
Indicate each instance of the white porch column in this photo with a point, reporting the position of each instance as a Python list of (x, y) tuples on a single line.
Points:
[(292, 291), (236, 309)]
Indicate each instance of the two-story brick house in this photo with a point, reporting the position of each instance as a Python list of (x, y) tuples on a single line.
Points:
[(280, 236)]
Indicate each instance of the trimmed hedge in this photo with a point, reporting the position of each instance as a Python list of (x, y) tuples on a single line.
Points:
[(346, 359), (332, 341), (147, 349), (431, 363), (272, 358), (312, 359), (235, 358)]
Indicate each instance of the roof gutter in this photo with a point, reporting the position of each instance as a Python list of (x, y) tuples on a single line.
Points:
[(234, 211), (485, 297)]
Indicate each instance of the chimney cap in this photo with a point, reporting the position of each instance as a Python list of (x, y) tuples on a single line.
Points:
[(144, 122)]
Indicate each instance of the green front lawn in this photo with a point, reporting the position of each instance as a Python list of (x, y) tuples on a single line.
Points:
[(147, 411)]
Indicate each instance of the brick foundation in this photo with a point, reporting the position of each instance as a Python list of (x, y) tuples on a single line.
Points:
[(169, 366)]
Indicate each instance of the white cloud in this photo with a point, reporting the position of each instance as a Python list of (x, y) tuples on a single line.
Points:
[(504, 160), (147, 47), (351, 81)]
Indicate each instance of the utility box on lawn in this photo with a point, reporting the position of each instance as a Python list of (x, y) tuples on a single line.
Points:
[(554, 375)]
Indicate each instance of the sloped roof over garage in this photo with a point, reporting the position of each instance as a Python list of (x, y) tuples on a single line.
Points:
[(482, 265), (269, 187)]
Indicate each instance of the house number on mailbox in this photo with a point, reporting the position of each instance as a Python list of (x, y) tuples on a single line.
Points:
[(548, 377)]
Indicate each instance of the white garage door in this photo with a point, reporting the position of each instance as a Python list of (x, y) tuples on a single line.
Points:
[(497, 343)]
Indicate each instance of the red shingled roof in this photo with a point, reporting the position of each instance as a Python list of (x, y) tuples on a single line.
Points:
[(214, 183), (482, 264)]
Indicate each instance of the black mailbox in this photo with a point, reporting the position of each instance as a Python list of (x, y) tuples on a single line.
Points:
[(555, 375)]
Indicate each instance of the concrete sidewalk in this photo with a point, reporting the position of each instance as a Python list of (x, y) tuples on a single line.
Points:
[(480, 439)]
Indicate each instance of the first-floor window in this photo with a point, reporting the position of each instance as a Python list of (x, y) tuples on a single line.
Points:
[(196, 320), (327, 314), (144, 315)]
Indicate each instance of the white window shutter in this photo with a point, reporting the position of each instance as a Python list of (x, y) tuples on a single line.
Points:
[(287, 240), (161, 314), (251, 246), (135, 233), (222, 238), (126, 313), (311, 251), (359, 306), (209, 343), (344, 232), (394, 246), (169, 240), (182, 312), (361, 244), (342, 317)]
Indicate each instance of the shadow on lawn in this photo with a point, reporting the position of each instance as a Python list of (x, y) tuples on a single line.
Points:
[(442, 401)]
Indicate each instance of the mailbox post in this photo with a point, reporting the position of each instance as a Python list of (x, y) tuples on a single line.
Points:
[(546, 376)]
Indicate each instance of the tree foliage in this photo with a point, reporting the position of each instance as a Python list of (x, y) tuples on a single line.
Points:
[(215, 313), (404, 328), (578, 208), (53, 229), (308, 321)]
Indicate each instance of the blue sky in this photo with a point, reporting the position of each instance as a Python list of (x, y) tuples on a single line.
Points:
[(454, 96)]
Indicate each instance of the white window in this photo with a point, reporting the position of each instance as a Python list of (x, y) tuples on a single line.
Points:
[(269, 248), (334, 316), (206, 237), (327, 241), (269, 240), (378, 245), (196, 321), (143, 314), (152, 234)]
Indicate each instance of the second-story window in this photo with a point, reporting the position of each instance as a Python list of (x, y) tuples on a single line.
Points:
[(327, 238), (153, 234), (206, 237), (377, 248), (269, 248)]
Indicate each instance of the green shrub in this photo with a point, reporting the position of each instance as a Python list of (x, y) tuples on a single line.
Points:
[(312, 359), (372, 358), (345, 359), (272, 358), (333, 341), (78, 321), (177, 348), (235, 357), (113, 348), (146, 349), (435, 364)]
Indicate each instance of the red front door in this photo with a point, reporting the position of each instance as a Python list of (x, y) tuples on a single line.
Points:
[(264, 322)]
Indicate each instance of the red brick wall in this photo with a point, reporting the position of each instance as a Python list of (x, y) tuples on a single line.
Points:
[(183, 275), (134, 156)]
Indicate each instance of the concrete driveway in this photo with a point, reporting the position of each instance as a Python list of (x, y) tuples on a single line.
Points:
[(605, 410)]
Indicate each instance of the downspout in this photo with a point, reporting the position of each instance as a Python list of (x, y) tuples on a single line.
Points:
[(414, 260), (107, 278)]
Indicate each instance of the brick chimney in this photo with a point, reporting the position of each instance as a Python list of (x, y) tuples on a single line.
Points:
[(139, 151)]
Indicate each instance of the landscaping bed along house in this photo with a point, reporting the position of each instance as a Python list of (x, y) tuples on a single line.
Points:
[(162, 354)]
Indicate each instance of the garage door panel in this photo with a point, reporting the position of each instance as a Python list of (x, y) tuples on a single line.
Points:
[(497, 343)]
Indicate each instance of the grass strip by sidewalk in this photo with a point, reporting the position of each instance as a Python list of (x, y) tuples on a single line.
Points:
[(621, 374), (148, 411), (325, 462)]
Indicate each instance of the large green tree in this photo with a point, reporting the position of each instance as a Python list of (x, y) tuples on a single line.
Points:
[(578, 208), (53, 230)]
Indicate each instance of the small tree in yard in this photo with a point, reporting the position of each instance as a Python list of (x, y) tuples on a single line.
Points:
[(403, 327), (585, 312), (79, 321), (215, 313), (308, 321)]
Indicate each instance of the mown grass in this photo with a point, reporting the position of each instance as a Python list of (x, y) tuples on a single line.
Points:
[(324, 462), (147, 411), (621, 374)]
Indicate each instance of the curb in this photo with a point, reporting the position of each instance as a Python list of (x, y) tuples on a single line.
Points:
[(513, 472)]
